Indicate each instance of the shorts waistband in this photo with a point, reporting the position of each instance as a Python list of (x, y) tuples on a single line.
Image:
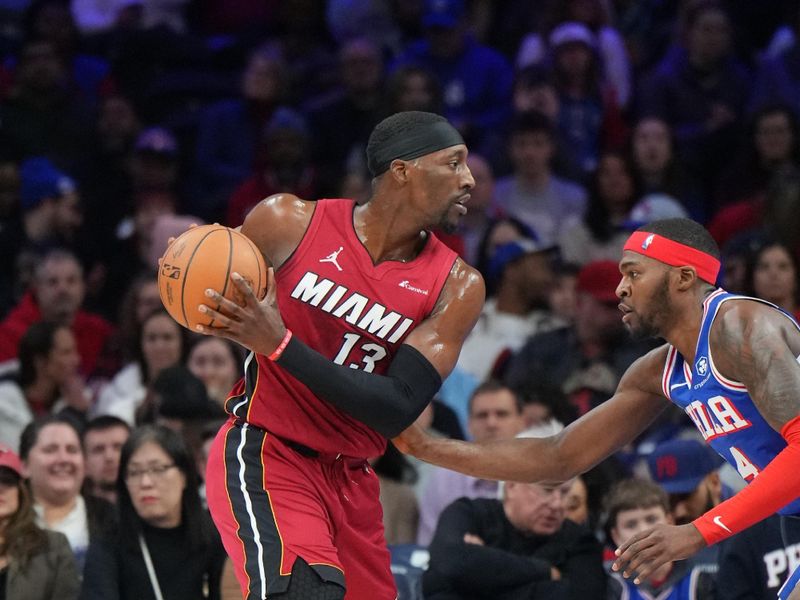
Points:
[(303, 450)]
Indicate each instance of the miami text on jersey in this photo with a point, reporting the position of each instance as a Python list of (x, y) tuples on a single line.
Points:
[(355, 308)]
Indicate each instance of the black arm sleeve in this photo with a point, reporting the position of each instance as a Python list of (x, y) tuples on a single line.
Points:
[(387, 403)]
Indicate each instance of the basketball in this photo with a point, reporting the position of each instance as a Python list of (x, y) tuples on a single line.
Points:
[(204, 257)]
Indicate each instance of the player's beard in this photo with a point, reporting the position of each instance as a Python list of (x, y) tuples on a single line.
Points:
[(448, 223), (660, 308)]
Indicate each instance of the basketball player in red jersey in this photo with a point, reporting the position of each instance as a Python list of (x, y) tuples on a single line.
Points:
[(366, 313), (730, 362)]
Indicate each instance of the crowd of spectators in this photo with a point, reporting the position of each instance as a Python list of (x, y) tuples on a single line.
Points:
[(123, 121)]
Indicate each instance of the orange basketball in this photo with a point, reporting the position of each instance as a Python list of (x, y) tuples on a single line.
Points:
[(204, 257)]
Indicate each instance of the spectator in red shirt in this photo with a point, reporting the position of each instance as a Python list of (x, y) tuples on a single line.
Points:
[(56, 294)]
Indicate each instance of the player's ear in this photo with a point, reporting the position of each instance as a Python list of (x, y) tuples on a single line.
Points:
[(399, 169), (686, 278)]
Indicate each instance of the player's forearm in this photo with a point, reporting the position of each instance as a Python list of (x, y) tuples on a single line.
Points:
[(387, 403), (521, 459)]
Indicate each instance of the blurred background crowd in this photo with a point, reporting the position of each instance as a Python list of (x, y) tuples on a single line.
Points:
[(123, 121)]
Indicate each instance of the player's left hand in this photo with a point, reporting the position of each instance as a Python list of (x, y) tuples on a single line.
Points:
[(648, 550)]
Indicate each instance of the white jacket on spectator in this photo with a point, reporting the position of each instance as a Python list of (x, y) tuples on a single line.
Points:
[(123, 395), (15, 413)]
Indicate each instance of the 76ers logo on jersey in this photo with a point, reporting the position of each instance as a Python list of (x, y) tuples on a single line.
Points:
[(701, 365)]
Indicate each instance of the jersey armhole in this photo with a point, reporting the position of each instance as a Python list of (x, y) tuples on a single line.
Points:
[(305, 241), (669, 365)]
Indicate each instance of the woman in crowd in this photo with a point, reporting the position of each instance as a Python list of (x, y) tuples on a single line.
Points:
[(772, 275), (48, 379), (140, 300), (772, 143), (601, 234), (166, 545), (34, 564), (161, 344), (657, 167), (218, 364), (51, 450)]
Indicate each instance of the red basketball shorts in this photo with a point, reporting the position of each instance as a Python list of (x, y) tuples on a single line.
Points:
[(271, 505)]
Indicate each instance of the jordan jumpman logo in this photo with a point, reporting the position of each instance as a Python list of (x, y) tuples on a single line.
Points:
[(333, 258)]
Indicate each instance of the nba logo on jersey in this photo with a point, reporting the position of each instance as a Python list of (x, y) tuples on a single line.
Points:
[(701, 365), (647, 241)]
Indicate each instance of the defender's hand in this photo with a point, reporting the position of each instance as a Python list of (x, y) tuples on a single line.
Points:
[(648, 550)]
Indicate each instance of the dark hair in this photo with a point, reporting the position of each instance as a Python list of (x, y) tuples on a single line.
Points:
[(395, 86), (598, 219), (551, 397), (493, 385), (630, 494), (31, 15), (693, 10), (532, 121), (194, 525), (22, 537), (127, 332), (30, 435), (673, 180), (768, 110), (139, 357), (36, 342), (55, 255), (102, 423), (684, 231), (237, 352), (533, 76), (751, 264), (398, 124)]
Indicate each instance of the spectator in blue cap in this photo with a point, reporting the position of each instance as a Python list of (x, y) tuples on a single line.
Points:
[(49, 216), (688, 470), (49, 201), (522, 271)]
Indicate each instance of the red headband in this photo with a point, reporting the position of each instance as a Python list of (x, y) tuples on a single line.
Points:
[(674, 254)]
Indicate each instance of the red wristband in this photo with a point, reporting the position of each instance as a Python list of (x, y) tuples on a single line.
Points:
[(276, 354)]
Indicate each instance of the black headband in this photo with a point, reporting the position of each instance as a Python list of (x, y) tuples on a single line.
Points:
[(428, 138)]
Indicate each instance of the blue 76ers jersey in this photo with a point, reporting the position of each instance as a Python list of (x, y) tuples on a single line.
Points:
[(720, 408)]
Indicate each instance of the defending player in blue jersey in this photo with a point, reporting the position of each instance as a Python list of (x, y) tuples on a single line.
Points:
[(730, 362)]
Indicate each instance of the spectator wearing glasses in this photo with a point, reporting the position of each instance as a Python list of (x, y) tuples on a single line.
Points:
[(162, 524)]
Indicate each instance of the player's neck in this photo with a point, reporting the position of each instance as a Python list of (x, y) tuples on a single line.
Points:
[(684, 328), (388, 234)]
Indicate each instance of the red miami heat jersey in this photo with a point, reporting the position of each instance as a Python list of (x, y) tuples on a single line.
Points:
[(356, 313)]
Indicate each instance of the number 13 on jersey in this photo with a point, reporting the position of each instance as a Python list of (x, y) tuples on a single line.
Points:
[(372, 353)]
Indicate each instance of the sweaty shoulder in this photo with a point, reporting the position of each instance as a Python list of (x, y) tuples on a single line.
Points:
[(277, 225), (439, 338), (646, 372), (464, 287)]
